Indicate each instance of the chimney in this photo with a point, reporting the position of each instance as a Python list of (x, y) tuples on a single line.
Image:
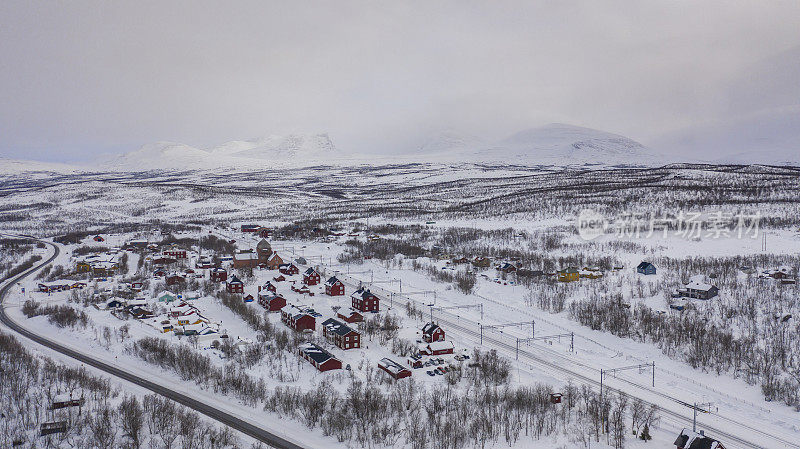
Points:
[(702, 433)]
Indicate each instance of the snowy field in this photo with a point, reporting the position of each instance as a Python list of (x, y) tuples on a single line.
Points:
[(524, 216)]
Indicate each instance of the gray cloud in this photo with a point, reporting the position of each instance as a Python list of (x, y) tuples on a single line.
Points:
[(82, 78)]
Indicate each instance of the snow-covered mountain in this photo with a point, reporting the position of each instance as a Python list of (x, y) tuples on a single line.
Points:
[(294, 150), (555, 144)]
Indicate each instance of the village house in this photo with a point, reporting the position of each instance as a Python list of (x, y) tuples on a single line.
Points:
[(311, 277), (234, 285), (698, 290), (248, 298), (481, 262), (250, 228), (245, 259), (268, 287), (318, 357), (394, 369), (175, 253), (271, 301), (274, 261), (340, 334), (204, 262), (288, 269), (297, 319), (437, 348), (264, 233), (364, 301), (432, 332), (460, 261), (691, 440), (334, 287), (506, 267), (218, 275), (350, 315), (569, 274), (98, 238), (174, 278), (65, 400), (646, 268)]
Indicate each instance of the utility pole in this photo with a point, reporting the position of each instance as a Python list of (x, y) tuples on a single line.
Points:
[(695, 407)]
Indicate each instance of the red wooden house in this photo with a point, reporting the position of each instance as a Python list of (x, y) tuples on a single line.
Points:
[(234, 285), (439, 348), (250, 228), (311, 277), (334, 287), (364, 301), (288, 269), (174, 278), (297, 320), (319, 358), (175, 253), (264, 233), (432, 332), (218, 275), (394, 369), (350, 316), (271, 301), (268, 287), (340, 334)]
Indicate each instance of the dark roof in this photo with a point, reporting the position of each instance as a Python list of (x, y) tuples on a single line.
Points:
[(331, 280), (363, 293), (644, 265), (235, 280), (430, 328), (681, 440), (337, 327), (316, 353), (310, 271)]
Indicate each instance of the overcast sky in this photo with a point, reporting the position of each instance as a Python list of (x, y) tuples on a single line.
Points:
[(82, 78)]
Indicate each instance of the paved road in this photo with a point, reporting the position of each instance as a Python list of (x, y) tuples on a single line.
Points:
[(213, 413)]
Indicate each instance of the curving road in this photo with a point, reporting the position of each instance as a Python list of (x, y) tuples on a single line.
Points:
[(214, 413)]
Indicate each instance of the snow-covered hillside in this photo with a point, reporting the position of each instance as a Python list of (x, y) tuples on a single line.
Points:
[(292, 150)]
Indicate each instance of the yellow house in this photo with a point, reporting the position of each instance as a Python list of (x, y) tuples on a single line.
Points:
[(189, 320), (568, 275)]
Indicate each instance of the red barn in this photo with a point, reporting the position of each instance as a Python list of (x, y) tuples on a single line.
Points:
[(271, 301), (219, 275), (364, 301), (297, 319), (432, 332), (288, 269), (340, 334), (394, 369), (319, 358), (235, 285), (334, 287), (350, 316), (311, 277)]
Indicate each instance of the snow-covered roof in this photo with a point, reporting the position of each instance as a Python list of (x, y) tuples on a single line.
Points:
[(310, 271), (315, 353), (337, 327), (697, 285), (235, 280), (245, 256), (331, 281), (430, 328), (391, 366), (440, 345)]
